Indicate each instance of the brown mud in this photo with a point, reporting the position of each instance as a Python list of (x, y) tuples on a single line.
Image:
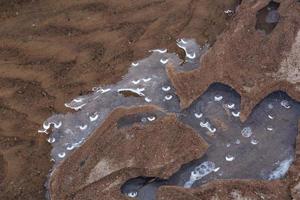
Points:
[(52, 51)]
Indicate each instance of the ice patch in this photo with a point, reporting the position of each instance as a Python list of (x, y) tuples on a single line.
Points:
[(199, 172)]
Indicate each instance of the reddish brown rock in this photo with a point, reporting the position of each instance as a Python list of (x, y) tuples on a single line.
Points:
[(113, 155), (253, 63)]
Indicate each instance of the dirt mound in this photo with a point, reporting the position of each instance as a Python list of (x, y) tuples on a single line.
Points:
[(113, 155)]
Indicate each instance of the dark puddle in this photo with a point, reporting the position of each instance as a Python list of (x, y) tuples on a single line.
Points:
[(140, 118), (261, 148), (268, 17)]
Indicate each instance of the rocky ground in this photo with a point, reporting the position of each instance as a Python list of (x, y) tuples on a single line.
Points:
[(52, 51)]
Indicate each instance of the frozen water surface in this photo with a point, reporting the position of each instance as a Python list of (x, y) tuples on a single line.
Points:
[(260, 148)]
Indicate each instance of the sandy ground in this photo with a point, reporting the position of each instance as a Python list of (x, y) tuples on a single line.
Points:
[(52, 51)]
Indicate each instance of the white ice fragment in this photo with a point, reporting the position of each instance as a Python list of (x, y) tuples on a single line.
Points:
[(168, 97), (69, 148), (46, 125), (140, 89), (285, 104), (270, 117), (191, 56), (246, 132), (270, 106), (204, 125), (254, 141), (228, 145), (51, 140), (132, 194), (212, 130), (147, 99), (62, 155), (198, 115), (94, 117), (269, 128), (57, 125), (164, 61), (217, 169), (237, 141), (135, 82), (77, 100), (236, 114), (218, 98), (229, 158), (228, 12), (83, 127), (166, 88), (134, 64), (151, 118)]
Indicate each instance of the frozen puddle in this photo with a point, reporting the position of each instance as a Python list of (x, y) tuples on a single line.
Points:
[(261, 148)]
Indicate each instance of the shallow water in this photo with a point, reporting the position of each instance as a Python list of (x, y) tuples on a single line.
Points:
[(261, 148)]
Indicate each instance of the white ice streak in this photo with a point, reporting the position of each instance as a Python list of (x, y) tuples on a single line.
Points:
[(159, 50), (147, 79), (281, 170), (75, 107)]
